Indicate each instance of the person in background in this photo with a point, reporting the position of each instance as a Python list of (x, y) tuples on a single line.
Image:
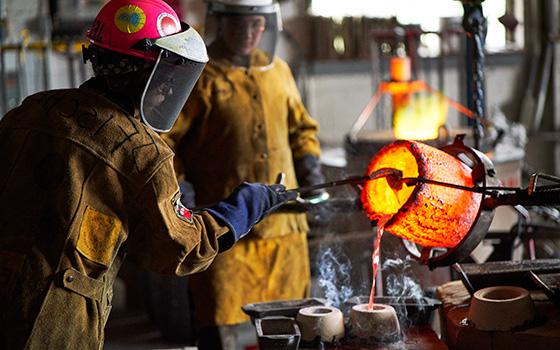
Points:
[(86, 180), (246, 120)]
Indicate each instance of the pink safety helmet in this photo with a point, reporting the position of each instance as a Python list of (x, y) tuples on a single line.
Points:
[(121, 24), (150, 30)]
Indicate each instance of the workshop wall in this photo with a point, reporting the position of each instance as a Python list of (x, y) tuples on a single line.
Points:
[(334, 90), (338, 91)]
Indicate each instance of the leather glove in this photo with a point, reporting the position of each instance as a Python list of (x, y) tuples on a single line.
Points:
[(248, 204), (308, 172)]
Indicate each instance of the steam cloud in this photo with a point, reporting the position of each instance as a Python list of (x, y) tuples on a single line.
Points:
[(334, 276), (399, 284)]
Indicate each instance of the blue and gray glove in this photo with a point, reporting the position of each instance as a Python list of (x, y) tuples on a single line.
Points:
[(248, 204)]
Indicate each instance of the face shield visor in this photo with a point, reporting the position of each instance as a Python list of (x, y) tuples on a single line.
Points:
[(245, 31), (180, 62)]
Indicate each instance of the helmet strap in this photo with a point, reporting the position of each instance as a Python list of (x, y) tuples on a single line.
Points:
[(109, 63)]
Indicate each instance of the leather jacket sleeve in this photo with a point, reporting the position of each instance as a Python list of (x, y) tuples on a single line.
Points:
[(168, 238)]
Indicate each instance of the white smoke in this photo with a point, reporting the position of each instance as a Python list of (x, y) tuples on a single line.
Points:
[(401, 285), (334, 276)]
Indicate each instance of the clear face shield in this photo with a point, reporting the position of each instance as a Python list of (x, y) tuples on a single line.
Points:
[(180, 62), (244, 31)]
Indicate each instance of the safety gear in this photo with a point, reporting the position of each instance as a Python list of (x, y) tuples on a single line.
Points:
[(151, 30), (253, 124), (81, 180), (248, 205), (167, 90), (106, 63), (247, 29), (308, 173), (121, 24)]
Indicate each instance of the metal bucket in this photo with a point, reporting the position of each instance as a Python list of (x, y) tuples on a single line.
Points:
[(277, 333)]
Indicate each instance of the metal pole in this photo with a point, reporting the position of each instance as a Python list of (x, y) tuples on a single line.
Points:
[(441, 63), (475, 26), (555, 80), (3, 94), (45, 21), (70, 63)]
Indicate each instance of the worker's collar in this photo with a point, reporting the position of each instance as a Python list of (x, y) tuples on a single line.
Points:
[(122, 99)]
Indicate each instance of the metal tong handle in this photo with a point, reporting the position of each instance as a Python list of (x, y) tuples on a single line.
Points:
[(392, 173)]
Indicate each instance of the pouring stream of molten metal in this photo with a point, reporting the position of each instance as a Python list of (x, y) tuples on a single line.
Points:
[(375, 261)]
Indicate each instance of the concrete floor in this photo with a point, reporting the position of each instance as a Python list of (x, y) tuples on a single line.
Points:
[(135, 331)]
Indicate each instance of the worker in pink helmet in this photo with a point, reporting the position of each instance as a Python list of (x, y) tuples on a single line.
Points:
[(86, 180)]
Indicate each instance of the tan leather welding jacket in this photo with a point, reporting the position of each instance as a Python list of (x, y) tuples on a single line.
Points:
[(246, 124), (82, 184)]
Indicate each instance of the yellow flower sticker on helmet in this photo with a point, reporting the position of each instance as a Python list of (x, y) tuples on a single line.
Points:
[(130, 19)]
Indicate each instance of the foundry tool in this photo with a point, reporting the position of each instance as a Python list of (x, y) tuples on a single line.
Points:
[(393, 176), (448, 203), (495, 196)]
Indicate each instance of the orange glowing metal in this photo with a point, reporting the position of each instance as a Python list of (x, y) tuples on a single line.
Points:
[(402, 87), (427, 214), (399, 68)]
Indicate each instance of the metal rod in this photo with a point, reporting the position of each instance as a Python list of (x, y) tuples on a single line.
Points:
[(353, 180), (412, 181), (534, 179), (394, 174), (550, 196), (365, 114)]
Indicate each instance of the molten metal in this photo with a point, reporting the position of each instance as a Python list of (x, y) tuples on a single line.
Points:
[(427, 214)]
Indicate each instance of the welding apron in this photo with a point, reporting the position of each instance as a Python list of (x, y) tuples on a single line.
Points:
[(82, 185), (246, 125)]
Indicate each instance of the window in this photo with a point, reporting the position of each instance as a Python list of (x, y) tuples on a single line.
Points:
[(426, 13)]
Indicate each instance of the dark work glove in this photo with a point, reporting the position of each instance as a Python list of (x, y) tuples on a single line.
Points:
[(187, 194), (308, 172), (248, 204)]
